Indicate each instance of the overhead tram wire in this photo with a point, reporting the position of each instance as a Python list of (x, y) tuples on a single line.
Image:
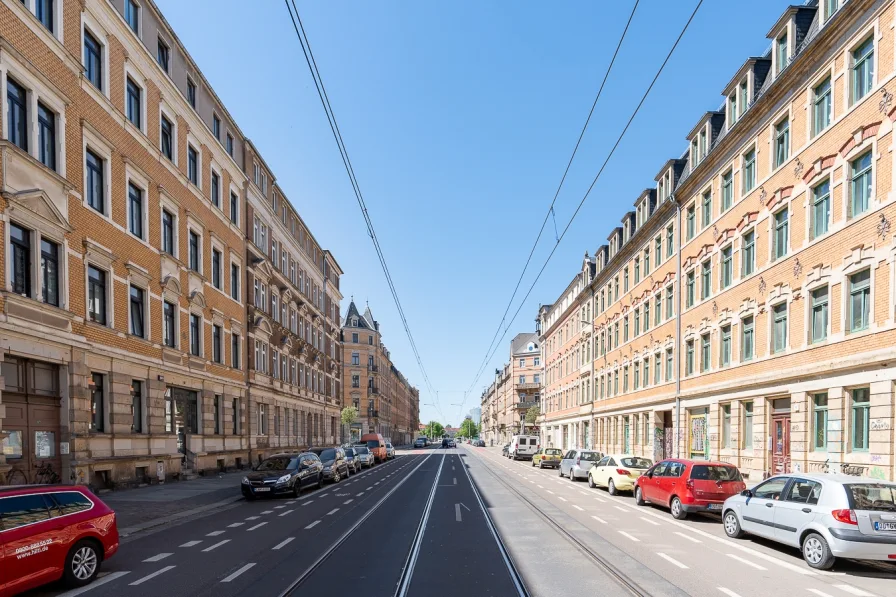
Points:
[(556, 194), (597, 177), (346, 161)]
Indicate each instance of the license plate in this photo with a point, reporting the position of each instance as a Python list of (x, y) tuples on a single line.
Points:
[(885, 526), (714, 507), (257, 489)]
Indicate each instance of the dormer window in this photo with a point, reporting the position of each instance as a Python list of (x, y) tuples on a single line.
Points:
[(354, 322), (732, 109), (744, 98), (695, 155), (781, 53), (829, 8), (703, 146)]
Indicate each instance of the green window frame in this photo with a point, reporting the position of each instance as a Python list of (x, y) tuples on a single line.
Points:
[(658, 241), (726, 425), (782, 233), (779, 328), (637, 328), (820, 422), (625, 379), (747, 435), (706, 280), (656, 368), (821, 107), (689, 358), (670, 241), (781, 55), (782, 142), (860, 184), (747, 339), (859, 300), (726, 274), (637, 269), (862, 69), (625, 280), (860, 419), (637, 375), (705, 353), (669, 303), (646, 315), (819, 325), (691, 282), (748, 254), (646, 371), (669, 364), (706, 209), (821, 208), (625, 329), (749, 170), (647, 259), (727, 190), (725, 348), (691, 221), (658, 309)]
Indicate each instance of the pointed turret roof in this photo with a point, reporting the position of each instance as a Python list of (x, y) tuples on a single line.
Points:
[(352, 315)]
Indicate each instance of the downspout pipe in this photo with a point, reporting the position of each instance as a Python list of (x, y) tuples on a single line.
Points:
[(677, 362)]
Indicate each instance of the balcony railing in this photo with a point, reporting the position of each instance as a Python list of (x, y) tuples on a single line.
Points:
[(525, 405), (373, 390), (373, 368), (527, 385)]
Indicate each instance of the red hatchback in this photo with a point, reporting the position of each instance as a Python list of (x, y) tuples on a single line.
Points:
[(52, 532), (688, 485)]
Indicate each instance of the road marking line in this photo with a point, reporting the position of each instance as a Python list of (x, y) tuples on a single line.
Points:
[(286, 512), (745, 561), (600, 500), (215, 533), (648, 521), (731, 593), (333, 511), (369, 488), (853, 590), (578, 508), (457, 512), (377, 483), (252, 517), (260, 524), (187, 544), (100, 581), (688, 537), (216, 545), (290, 503), (158, 557), (306, 503), (151, 576), (819, 593), (455, 480), (283, 543), (236, 524), (560, 497), (551, 492), (539, 486), (621, 508), (599, 519), (238, 572), (672, 560), (313, 524), (322, 495), (268, 512), (279, 507), (633, 538)]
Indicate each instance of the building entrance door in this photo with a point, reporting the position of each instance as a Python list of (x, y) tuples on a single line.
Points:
[(697, 438), (626, 435), (181, 415), (667, 437), (780, 456)]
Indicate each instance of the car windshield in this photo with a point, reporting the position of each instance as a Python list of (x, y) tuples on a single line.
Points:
[(326, 453), (872, 496), (361, 450), (278, 463), (349, 452), (592, 456), (715, 472), (636, 462), (553, 452), (389, 446), (373, 443)]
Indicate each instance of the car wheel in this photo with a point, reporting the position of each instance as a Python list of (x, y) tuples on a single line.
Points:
[(296, 488), (572, 474), (591, 483), (541, 464), (533, 462), (677, 509), (320, 480), (732, 525), (817, 553), (639, 497), (82, 563), (560, 470), (611, 487)]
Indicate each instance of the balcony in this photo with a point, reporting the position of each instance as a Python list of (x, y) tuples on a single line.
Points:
[(373, 390), (527, 386), (525, 405), (373, 368), (373, 414)]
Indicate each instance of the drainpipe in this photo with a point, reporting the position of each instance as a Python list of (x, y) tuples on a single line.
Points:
[(593, 358), (677, 351)]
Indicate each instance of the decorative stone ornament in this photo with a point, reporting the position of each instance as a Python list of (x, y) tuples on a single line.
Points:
[(883, 227), (763, 194), (797, 268), (715, 309), (761, 285), (798, 169), (886, 100)]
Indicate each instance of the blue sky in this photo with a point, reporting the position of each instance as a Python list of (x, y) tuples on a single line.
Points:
[(459, 118)]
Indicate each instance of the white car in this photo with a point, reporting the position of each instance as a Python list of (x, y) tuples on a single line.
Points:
[(390, 451), (826, 516)]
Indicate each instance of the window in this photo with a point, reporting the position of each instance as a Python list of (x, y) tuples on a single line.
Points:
[(136, 303), (820, 422), (49, 269), (20, 239), (859, 300), (781, 52), (862, 69), (96, 403), (216, 126), (706, 209), (656, 368), (216, 269), (749, 170), (689, 358), (669, 304), (819, 324), (637, 329), (192, 165), (191, 92), (691, 221), (727, 190), (725, 350), (668, 364), (726, 425), (690, 291), (860, 185), (93, 61), (732, 109), (747, 345), (46, 136), (706, 280), (537, 362), (167, 232), (646, 315), (637, 269), (861, 409), (779, 331), (748, 254), (234, 349), (167, 140), (522, 362), (162, 56), (705, 352), (193, 251), (670, 241), (217, 405), (658, 309), (169, 331), (637, 375), (132, 15), (625, 378), (781, 237), (135, 210), (229, 144), (747, 435), (216, 189), (195, 330), (136, 406), (830, 7), (625, 329), (625, 280), (17, 108), (234, 281), (821, 208), (744, 97), (134, 102), (782, 142), (96, 295), (726, 274), (95, 176), (234, 207), (262, 419), (217, 349), (821, 106)]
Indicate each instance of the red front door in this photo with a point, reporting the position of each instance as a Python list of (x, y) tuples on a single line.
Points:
[(780, 456)]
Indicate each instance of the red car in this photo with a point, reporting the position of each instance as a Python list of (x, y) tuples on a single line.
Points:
[(688, 485), (52, 532)]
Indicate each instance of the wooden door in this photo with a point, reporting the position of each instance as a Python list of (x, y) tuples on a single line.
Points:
[(780, 456)]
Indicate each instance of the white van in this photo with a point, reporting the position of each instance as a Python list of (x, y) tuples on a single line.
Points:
[(523, 446)]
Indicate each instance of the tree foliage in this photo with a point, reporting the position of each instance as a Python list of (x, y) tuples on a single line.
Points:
[(532, 414), (434, 429), (349, 415), (468, 429)]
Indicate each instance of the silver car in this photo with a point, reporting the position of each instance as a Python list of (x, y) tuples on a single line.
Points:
[(826, 516), (354, 463), (364, 456), (576, 463), (390, 451)]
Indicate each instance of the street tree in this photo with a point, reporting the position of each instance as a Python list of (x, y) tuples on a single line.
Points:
[(349, 416), (468, 429), (434, 429), (532, 415)]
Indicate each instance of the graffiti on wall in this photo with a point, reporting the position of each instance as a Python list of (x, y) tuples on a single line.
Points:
[(658, 443)]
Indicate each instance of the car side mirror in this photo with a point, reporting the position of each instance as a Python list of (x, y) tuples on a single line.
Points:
[(649, 474), (747, 493)]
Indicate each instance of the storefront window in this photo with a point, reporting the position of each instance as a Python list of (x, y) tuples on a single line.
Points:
[(45, 444), (11, 445)]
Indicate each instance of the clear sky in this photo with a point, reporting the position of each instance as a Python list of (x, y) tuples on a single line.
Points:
[(459, 117)]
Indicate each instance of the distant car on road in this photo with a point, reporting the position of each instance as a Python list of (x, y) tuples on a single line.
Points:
[(547, 457), (390, 451), (618, 472), (282, 473), (354, 465), (335, 466), (576, 463), (445, 443), (452, 443), (480, 443), (686, 486), (364, 455), (419, 443), (53, 532)]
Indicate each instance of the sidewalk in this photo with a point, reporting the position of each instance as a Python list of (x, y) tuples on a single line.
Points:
[(146, 507)]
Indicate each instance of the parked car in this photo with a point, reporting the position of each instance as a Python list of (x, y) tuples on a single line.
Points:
[(354, 465), (419, 443), (390, 451), (364, 455), (618, 472), (452, 443), (523, 446), (334, 464), (826, 516), (686, 486), (576, 463), (480, 443), (282, 473), (53, 532), (377, 445), (505, 450), (547, 457)]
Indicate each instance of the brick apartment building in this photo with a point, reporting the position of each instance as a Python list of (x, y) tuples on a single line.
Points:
[(516, 388), (128, 193), (744, 311), (386, 402)]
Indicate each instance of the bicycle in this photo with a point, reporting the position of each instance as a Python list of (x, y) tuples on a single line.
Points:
[(46, 475), (16, 477)]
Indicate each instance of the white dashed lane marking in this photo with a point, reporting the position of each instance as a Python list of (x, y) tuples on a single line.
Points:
[(313, 524), (260, 524), (238, 572), (236, 524), (216, 545), (745, 561), (151, 576), (283, 543), (599, 519), (688, 537), (632, 537), (191, 543), (215, 533), (672, 560), (286, 512), (158, 557)]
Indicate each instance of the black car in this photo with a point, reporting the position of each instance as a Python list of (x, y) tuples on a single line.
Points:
[(444, 443), (335, 464), (283, 473)]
